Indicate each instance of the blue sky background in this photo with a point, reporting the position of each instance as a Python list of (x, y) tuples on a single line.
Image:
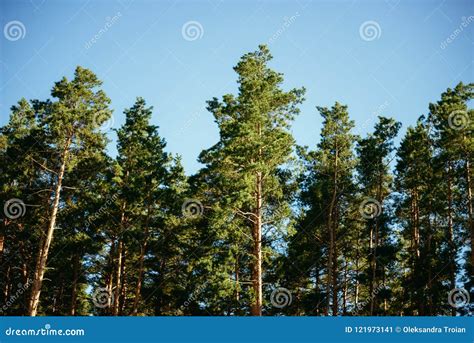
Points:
[(143, 53)]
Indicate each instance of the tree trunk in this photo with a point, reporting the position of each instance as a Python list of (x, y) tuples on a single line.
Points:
[(470, 212), (344, 293), (140, 272), (256, 309), (76, 264), (110, 286), (123, 284), (452, 250), (118, 278), (332, 259), (237, 280), (43, 253), (374, 269), (335, 288)]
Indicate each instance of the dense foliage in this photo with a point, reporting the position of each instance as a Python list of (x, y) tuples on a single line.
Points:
[(354, 226)]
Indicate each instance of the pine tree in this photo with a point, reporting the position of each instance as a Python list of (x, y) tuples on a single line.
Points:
[(326, 190), (420, 213), (146, 184), (255, 144), (375, 181), (454, 124), (71, 132)]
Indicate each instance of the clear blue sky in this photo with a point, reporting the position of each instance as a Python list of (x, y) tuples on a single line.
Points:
[(143, 53)]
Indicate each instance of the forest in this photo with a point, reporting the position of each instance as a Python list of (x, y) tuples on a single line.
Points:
[(353, 226)]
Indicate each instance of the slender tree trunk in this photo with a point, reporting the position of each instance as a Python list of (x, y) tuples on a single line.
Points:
[(331, 282), (76, 264), (356, 292), (470, 212), (257, 251), (452, 250), (237, 281), (256, 308), (6, 289), (344, 292), (118, 266), (118, 278), (335, 288), (123, 284), (61, 296), (138, 289), (43, 253), (429, 257), (316, 287), (373, 283), (110, 286)]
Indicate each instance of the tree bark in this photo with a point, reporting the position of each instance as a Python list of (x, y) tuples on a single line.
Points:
[(138, 289), (118, 278), (452, 250), (256, 309), (123, 284), (470, 212), (332, 259), (76, 264), (43, 253)]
